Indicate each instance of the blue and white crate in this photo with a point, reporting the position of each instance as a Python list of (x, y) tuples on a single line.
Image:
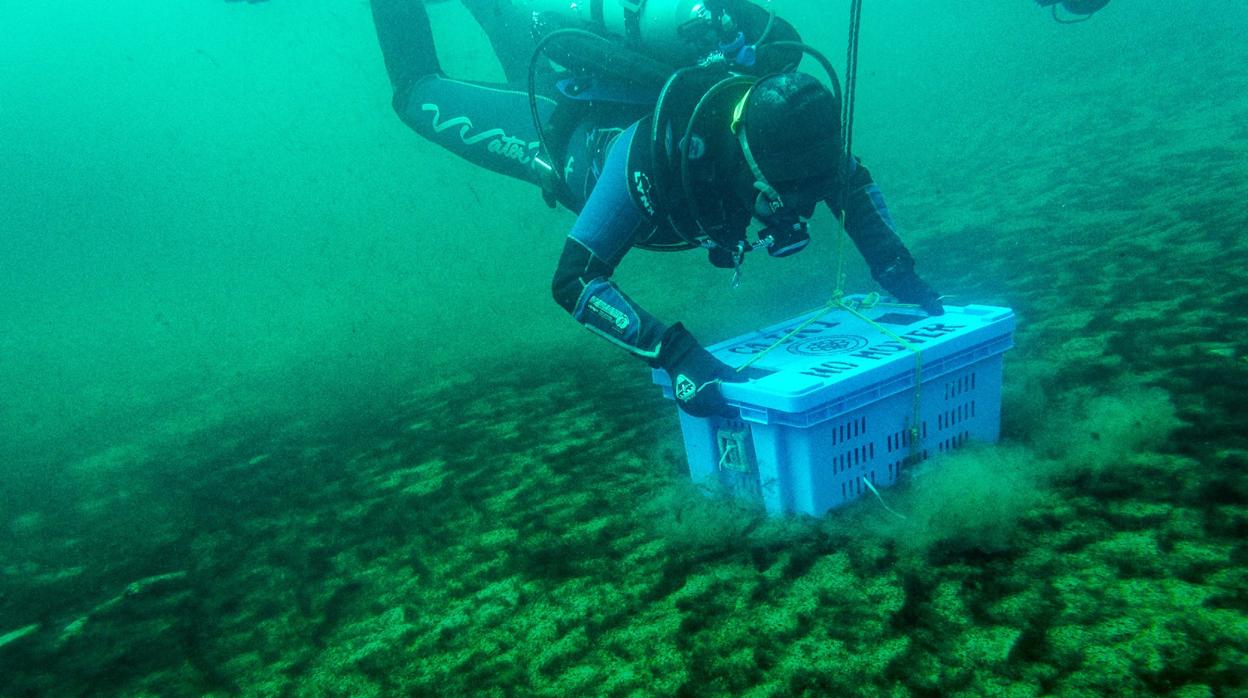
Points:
[(832, 408)]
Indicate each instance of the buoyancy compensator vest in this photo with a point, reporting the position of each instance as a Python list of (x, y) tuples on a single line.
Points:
[(690, 170), (684, 166), (700, 182)]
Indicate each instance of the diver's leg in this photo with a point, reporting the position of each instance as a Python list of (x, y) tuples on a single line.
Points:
[(510, 32), (406, 41), (488, 125)]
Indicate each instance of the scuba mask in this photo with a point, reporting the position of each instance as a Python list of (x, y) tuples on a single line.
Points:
[(784, 235)]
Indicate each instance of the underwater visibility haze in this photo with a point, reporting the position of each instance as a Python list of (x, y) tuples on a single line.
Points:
[(286, 407)]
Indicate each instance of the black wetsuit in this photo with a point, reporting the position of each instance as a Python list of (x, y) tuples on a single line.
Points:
[(491, 125)]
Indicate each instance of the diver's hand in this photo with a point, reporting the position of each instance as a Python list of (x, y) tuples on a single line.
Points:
[(932, 305), (695, 373), (915, 290), (909, 288)]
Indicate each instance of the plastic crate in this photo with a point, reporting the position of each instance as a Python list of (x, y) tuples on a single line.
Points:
[(834, 406)]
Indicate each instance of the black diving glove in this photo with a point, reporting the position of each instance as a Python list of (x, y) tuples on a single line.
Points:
[(695, 373), (906, 285)]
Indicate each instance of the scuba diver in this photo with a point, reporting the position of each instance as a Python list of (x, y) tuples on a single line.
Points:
[(684, 127), (1082, 9)]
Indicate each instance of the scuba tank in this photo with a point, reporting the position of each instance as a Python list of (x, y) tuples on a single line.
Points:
[(676, 32), (600, 45)]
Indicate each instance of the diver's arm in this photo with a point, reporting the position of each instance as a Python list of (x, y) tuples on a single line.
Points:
[(582, 285), (604, 231), (871, 228), (607, 226)]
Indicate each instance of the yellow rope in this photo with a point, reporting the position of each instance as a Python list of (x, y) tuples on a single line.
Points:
[(828, 307), (915, 433), (840, 258)]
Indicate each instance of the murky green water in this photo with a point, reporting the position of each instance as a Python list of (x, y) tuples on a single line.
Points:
[(287, 408)]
